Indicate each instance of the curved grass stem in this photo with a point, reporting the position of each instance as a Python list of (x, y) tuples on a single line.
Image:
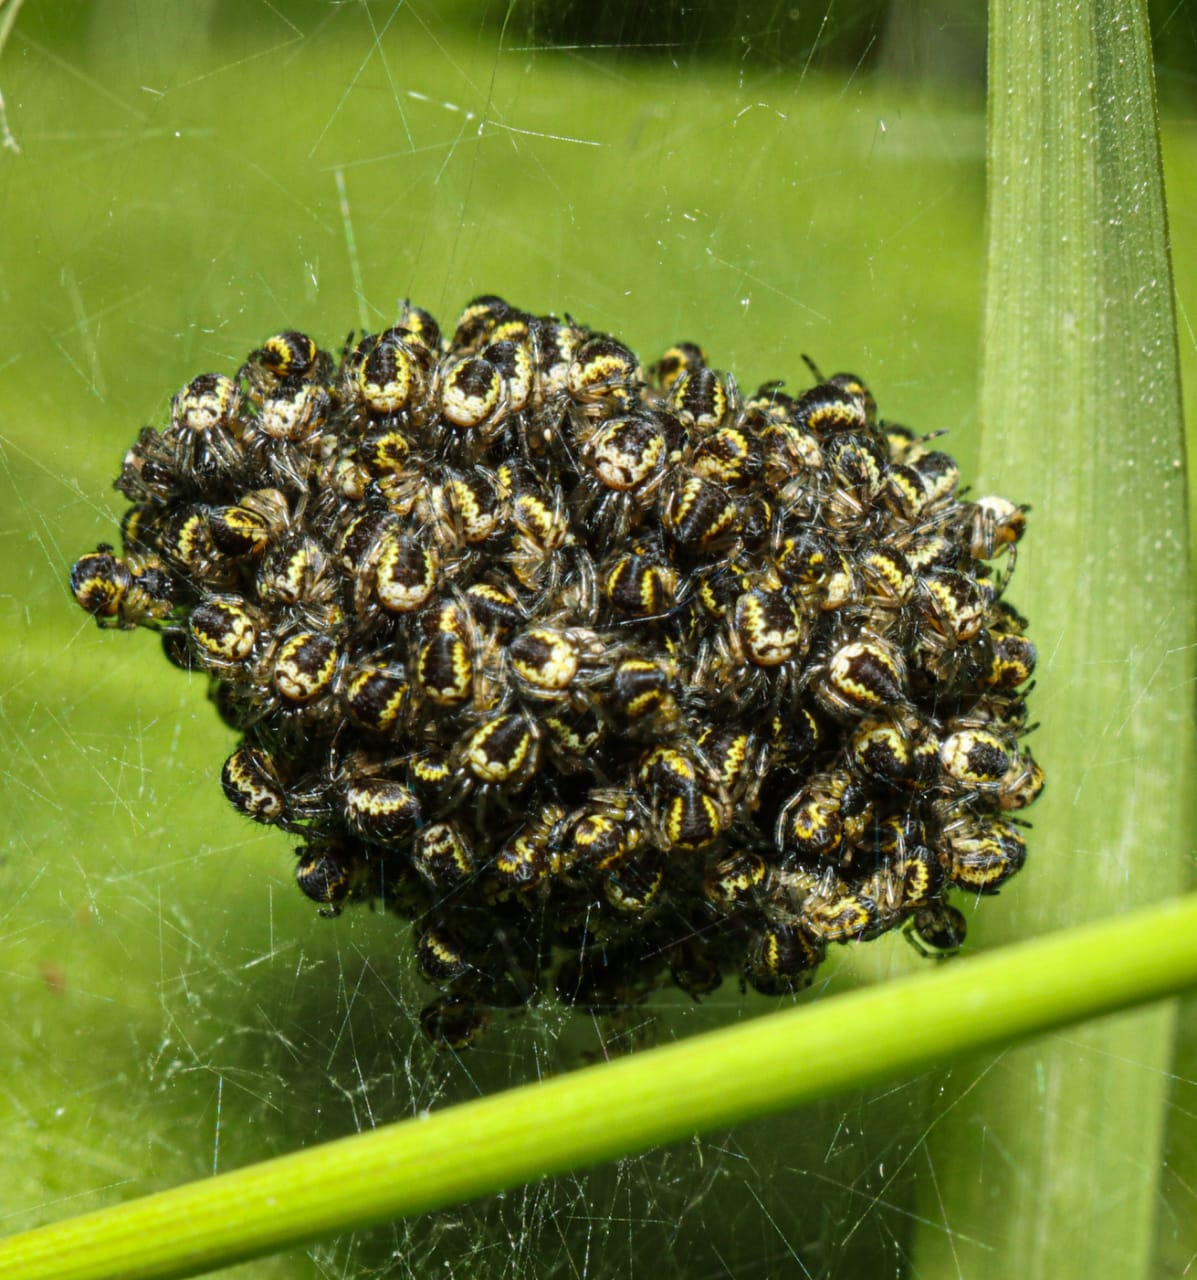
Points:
[(627, 1106)]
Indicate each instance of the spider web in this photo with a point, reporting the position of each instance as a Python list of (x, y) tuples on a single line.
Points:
[(195, 176)]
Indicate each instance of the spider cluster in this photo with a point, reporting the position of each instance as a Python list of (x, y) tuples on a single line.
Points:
[(605, 677)]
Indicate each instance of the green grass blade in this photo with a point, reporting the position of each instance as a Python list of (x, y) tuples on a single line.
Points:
[(1176, 1210), (1048, 1164), (623, 1107)]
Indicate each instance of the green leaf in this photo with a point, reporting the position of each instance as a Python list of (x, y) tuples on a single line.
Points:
[(1045, 1164)]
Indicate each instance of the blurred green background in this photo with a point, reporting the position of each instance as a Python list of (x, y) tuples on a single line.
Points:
[(192, 177)]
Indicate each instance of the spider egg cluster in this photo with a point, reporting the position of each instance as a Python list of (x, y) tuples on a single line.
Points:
[(605, 677)]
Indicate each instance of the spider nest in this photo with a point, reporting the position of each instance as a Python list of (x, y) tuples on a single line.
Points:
[(605, 677)]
